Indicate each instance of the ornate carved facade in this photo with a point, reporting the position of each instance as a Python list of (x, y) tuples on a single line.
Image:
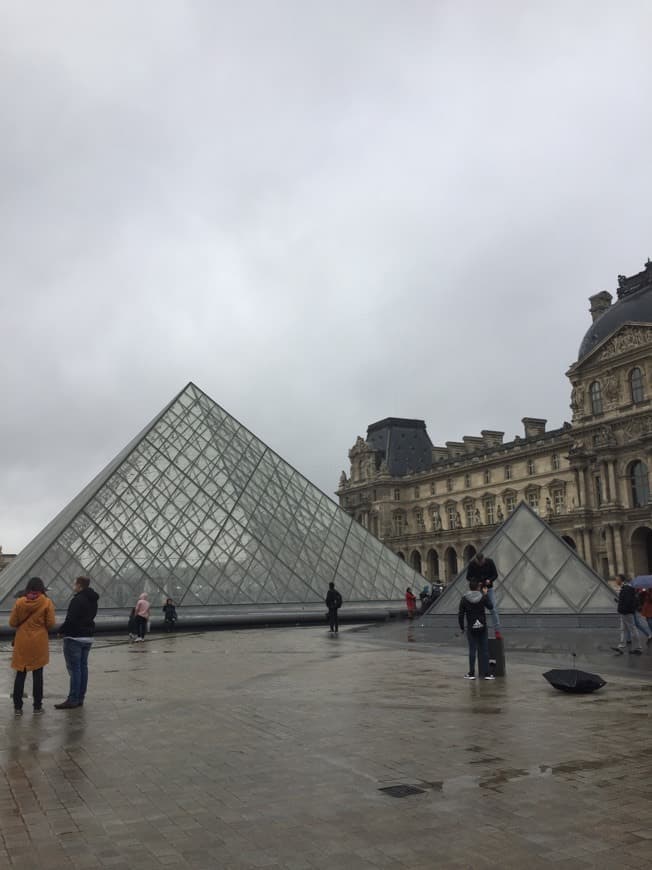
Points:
[(588, 478)]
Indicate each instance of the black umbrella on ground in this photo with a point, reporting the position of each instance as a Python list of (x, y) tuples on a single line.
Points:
[(573, 681)]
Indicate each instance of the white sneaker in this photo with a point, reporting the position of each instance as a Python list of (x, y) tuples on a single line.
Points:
[(469, 676), (489, 677)]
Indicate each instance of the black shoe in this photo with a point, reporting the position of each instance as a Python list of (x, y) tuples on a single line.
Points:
[(635, 652), (66, 705), (617, 649)]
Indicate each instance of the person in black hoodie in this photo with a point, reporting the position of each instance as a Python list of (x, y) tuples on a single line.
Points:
[(77, 631), (473, 607), (333, 602)]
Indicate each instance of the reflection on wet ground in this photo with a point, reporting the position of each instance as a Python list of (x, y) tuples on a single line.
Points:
[(247, 749)]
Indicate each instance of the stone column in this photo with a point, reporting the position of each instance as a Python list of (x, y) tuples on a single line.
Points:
[(613, 482), (609, 494), (588, 550), (581, 478), (610, 550), (620, 566)]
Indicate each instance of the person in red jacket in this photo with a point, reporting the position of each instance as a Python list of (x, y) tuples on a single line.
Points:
[(411, 601)]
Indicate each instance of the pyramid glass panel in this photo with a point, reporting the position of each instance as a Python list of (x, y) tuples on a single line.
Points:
[(198, 508), (537, 572)]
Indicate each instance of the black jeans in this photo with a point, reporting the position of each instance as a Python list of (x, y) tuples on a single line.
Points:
[(332, 618), (141, 626), (37, 688)]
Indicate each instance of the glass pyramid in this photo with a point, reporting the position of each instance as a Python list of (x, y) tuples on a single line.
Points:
[(537, 572), (197, 508)]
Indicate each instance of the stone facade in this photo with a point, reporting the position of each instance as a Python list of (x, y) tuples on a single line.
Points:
[(588, 478)]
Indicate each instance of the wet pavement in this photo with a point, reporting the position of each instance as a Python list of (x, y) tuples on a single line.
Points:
[(291, 748)]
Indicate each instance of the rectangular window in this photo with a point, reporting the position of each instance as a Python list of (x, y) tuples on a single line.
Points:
[(533, 501), (397, 494), (398, 524), (449, 484), (508, 472), (419, 518), (487, 475), (451, 517), (598, 490), (510, 504), (433, 488), (560, 506), (469, 515), (490, 512), (467, 480), (417, 492), (531, 467), (555, 462)]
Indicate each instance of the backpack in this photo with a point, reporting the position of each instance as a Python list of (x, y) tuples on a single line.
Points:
[(338, 600)]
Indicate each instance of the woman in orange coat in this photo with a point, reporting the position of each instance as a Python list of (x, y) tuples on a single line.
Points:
[(32, 617)]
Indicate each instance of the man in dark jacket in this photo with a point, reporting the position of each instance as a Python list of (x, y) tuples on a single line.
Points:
[(333, 602), (77, 632), (473, 607), (627, 607), (483, 569)]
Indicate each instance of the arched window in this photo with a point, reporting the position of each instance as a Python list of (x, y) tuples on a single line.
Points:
[(640, 487), (636, 385), (595, 392)]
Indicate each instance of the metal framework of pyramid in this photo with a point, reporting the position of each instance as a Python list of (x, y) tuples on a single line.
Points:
[(538, 573), (199, 509)]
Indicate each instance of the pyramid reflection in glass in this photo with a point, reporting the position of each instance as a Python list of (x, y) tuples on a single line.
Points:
[(537, 572), (198, 508)]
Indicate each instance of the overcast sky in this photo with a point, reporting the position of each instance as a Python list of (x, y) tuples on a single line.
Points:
[(323, 214)]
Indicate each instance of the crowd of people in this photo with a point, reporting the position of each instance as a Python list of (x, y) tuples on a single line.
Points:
[(33, 618)]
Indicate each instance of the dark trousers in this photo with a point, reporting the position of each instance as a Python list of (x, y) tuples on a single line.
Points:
[(37, 688), (332, 618), (141, 626), (478, 643)]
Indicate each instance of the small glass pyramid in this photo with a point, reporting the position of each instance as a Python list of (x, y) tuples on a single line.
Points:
[(537, 572), (199, 509)]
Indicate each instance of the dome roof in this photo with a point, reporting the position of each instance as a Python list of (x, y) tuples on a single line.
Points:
[(634, 305)]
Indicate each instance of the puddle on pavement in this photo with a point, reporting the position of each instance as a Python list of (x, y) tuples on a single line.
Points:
[(498, 778)]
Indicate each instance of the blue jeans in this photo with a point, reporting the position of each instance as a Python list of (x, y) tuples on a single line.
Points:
[(495, 616), (642, 624), (478, 643), (76, 655)]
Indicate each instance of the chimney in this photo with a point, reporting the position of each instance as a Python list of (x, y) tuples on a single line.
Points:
[(473, 443), (599, 304), (534, 427), (492, 438)]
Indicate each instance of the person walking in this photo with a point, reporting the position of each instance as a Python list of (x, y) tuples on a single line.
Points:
[(170, 614), (627, 605), (77, 631), (333, 602), (472, 609), (483, 569), (411, 602), (142, 616), (646, 608), (32, 616)]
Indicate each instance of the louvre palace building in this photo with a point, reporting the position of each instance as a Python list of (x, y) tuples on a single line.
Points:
[(436, 506)]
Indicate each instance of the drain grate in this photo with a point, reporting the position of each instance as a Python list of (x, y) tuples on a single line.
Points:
[(401, 790)]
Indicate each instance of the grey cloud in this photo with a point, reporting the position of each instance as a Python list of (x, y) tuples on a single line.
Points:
[(322, 215)]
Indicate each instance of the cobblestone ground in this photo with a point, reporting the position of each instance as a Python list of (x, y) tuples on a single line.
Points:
[(270, 749)]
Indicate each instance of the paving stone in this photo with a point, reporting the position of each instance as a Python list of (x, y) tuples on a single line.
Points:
[(268, 749)]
